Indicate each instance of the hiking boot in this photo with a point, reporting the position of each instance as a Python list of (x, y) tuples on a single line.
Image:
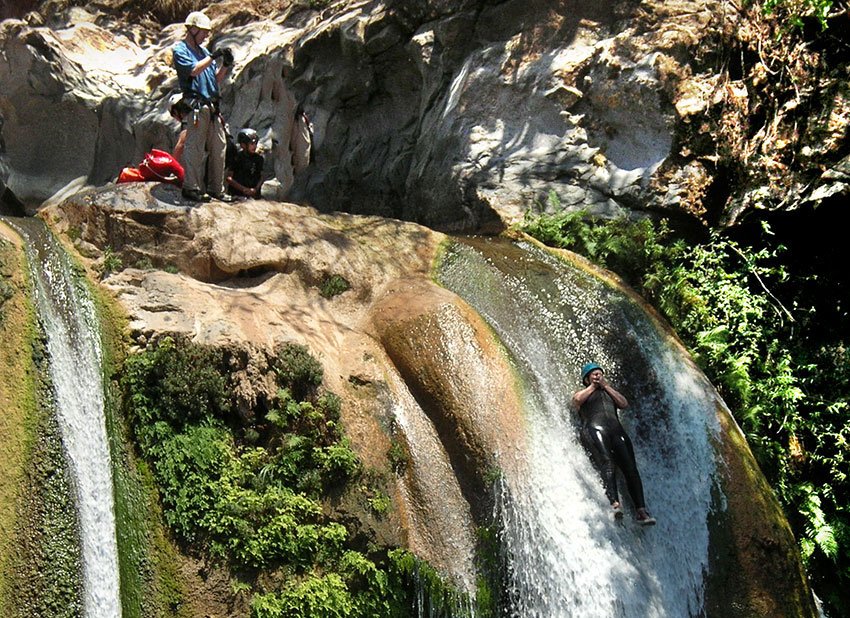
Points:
[(618, 510), (194, 195), (644, 518), (223, 197)]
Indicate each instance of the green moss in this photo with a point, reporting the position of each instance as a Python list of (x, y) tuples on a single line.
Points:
[(47, 573), (333, 285), (398, 457), (432, 595)]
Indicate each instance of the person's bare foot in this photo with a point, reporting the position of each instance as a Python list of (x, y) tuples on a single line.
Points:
[(618, 510)]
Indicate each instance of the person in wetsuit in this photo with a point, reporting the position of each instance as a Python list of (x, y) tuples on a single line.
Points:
[(607, 442)]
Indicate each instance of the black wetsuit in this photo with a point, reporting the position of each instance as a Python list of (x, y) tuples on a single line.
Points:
[(609, 446)]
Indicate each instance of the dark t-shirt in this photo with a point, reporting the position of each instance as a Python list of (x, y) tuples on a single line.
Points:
[(247, 169)]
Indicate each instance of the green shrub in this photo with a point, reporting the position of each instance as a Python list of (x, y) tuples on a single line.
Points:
[(322, 597), (297, 370), (257, 505), (110, 262), (171, 384)]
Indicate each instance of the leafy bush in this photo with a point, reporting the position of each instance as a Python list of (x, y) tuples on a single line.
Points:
[(171, 384), (257, 505), (297, 370)]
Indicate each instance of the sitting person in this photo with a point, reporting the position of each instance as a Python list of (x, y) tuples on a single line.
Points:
[(246, 177)]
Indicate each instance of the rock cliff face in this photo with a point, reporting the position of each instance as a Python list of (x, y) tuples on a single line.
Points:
[(455, 115)]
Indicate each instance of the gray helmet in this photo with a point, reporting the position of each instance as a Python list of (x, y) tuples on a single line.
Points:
[(247, 136)]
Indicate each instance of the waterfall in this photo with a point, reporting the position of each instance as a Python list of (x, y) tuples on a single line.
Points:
[(564, 554), (68, 317)]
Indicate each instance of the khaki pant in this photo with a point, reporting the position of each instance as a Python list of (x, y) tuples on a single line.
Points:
[(205, 143)]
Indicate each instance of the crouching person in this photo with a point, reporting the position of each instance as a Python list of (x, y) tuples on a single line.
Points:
[(246, 177)]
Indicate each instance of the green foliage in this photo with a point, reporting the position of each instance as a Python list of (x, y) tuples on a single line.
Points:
[(110, 262), (380, 503), (325, 597), (398, 457), (795, 12), (297, 370), (629, 248), (172, 384), (435, 597), (791, 399), (257, 506), (333, 285)]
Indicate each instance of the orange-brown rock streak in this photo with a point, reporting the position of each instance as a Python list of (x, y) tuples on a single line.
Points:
[(459, 377)]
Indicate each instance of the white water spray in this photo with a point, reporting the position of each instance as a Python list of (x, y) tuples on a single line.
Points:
[(565, 554), (68, 317)]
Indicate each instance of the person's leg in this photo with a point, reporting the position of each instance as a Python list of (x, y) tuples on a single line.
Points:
[(624, 457), (217, 148), (596, 443), (194, 150)]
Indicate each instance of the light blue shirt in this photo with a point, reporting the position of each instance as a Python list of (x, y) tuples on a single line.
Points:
[(184, 59)]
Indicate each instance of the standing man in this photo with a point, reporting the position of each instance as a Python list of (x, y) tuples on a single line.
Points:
[(199, 76), (606, 440)]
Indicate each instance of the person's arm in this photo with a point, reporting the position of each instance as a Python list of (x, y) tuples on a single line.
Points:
[(259, 184), (201, 66), (238, 186), (242, 189), (180, 145), (619, 401), (185, 64), (183, 61), (221, 73), (579, 397)]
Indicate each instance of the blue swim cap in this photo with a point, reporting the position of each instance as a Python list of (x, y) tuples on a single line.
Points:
[(587, 369)]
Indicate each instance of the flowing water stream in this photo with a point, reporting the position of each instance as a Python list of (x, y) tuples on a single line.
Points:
[(67, 315), (564, 554)]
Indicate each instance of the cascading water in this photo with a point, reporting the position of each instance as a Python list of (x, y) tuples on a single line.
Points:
[(564, 554), (68, 317)]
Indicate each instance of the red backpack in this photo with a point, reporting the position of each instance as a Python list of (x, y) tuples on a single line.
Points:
[(158, 166), (161, 166)]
